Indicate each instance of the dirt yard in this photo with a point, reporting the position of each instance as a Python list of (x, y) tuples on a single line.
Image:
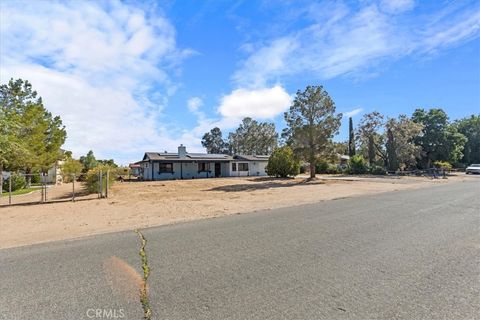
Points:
[(144, 204)]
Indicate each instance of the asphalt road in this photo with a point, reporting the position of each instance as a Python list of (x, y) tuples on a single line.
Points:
[(401, 255)]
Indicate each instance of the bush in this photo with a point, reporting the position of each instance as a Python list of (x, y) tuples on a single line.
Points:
[(18, 182), (321, 166), (91, 178), (334, 169), (35, 179), (282, 163), (443, 165), (71, 167), (376, 170), (357, 165)]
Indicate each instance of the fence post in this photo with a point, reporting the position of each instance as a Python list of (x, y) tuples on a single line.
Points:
[(100, 184), (46, 187), (106, 184), (73, 188), (1, 183), (42, 182), (10, 189)]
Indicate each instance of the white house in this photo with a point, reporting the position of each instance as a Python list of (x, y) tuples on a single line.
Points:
[(184, 165)]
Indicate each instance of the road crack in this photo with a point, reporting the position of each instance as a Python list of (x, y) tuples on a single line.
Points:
[(144, 299)]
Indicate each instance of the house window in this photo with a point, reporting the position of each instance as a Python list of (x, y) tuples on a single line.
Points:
[(165, 168), (203, 166), (243, 167), (234, 167)]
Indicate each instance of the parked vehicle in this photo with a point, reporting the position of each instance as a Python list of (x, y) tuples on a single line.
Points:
[(473, 168)]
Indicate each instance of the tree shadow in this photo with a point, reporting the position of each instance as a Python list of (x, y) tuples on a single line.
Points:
[(266, 183), (83, 192)]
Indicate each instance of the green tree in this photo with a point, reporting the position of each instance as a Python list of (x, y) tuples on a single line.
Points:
[(311, 124), (39, 133), (370, 136), (253, 137), (110, 162), (439, 140), (70, 168), (67, 155), (213, 141), (401, 150), (470, 128), (88, 161), (282, 163), (351, 138)]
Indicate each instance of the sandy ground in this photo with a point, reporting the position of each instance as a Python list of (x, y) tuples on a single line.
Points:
[(144, 204)]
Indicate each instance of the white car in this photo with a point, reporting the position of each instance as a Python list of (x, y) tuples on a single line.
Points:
[(473, 168)]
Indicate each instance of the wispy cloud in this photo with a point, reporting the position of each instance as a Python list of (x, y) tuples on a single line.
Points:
[(352, 113), (104, 67), (353, 42)]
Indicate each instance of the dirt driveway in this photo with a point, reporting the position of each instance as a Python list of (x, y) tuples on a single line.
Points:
[(145, 204)]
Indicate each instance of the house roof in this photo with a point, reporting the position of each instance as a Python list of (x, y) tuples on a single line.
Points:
[(247, 157), (156, 156), (166, 156)]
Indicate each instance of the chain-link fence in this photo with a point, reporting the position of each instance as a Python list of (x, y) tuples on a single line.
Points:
[(36, 188)]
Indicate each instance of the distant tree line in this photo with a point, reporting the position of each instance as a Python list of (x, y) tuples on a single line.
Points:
[(378, 143), (251, 137)]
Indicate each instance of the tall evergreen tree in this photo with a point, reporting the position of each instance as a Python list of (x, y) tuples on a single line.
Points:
[(38, 134), (351, 138), (311, 124)]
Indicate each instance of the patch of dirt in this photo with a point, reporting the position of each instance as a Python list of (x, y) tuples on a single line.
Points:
[(144, 204)]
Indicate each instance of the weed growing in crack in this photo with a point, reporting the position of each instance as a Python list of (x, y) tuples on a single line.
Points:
[(144, 300)]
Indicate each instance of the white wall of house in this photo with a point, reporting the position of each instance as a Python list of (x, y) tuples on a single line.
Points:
[(187, 170), (54, 174), (255, 168)]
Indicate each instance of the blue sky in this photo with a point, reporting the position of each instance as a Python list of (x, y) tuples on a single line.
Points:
[(128, 77)]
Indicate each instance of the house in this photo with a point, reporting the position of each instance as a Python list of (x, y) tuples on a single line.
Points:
[(54, 173), (185, 165), (135, 169)]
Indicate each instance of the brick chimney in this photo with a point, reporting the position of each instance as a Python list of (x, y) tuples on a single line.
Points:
[(182, 151)]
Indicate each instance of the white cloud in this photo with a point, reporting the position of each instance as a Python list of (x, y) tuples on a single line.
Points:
[(261, 104), (194, 104), (265, 103), (352, 42), (352, 113), (103, 67)]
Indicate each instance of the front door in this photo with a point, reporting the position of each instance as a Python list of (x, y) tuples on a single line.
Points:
[(218, 169)]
